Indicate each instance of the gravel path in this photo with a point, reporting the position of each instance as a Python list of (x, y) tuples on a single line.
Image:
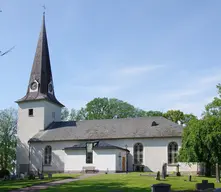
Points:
[(38, 187)]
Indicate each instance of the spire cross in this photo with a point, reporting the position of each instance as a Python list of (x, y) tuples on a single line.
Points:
[(44, 9)]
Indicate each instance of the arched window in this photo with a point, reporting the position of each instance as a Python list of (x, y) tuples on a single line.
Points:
[(47, 154), (172, 152), (138, 154)]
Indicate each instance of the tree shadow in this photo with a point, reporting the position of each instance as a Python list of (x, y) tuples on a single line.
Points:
[(34, 158), (98, 187)]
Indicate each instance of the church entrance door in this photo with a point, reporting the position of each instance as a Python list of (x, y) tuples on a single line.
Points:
[(123, 164)]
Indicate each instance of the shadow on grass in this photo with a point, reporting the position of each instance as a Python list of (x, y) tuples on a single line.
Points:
[(17, 184), (98, 187), (103, 187)]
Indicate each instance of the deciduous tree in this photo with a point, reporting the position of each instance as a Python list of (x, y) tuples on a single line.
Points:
[(104, 108), (178, 116), (8, 128)]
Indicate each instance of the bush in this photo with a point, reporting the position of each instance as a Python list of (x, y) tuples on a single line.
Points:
[(4, 173)]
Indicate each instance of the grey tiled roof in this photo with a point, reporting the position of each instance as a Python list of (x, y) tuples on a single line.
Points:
[(99, 145), (110, 129), (41, 72)]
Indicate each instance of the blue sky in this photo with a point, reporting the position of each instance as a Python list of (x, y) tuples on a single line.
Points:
[(156, 55)]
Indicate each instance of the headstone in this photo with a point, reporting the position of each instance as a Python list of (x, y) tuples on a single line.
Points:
[(204, 185), (160, 187), (41, 176), (6, 177), (208, 190), (217, 190), (158, 175), (13, 177), (190, 178), (164, 170), (178, 170), (49, 175), (22, 176)]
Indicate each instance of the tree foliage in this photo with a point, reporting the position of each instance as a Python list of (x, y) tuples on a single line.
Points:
[(8, 129), (178, 116), (214, 108), (73, 115), (201, 141), (201, 138), (106, 108)]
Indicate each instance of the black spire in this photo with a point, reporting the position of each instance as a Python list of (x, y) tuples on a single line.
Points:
[(41, 81)]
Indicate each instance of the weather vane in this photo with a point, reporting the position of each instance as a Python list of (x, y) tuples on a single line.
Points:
[(44, 9)]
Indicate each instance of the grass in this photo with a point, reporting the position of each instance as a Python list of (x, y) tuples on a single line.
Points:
[(16, 184), (131, 182)]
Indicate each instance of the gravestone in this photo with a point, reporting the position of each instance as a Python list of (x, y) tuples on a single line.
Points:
[(208, 190), (158, 175), (164, 170), (178, 170), (160, 187), (190, 178), (204, 185), (41, 176), (49, 175), (217, 190), (22, 176)]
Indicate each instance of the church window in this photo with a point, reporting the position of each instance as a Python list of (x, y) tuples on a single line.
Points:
[(47, 158), (53, 115), (30, 112), (172, 152), (138, 154), (89, 153)]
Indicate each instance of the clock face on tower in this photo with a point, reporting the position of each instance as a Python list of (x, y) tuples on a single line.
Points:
[(34, 85)]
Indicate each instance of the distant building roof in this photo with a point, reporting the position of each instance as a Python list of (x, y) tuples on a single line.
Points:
[(142, 127)]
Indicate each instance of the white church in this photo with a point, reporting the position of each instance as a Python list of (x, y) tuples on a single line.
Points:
[(45, 143)]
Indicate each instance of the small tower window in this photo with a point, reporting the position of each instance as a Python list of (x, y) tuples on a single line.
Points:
[(30, 112), (53, 115)]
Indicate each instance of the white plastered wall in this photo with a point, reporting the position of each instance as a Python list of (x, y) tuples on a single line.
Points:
[(28, 126), (155, 154)]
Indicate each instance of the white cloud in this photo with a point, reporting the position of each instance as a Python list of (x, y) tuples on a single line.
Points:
[(97, 89), (137, 70), (183, 93), (196, 86), (211, 79), (192, 107)]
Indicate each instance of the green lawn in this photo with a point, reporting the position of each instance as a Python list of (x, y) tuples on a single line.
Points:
[(131, 182), (16, 184)]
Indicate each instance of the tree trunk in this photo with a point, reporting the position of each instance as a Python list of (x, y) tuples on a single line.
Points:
[(217, 173), (208, 169)]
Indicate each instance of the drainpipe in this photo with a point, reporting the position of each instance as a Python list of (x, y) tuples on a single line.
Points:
[(42, 164), (29, 157), (126, 158)]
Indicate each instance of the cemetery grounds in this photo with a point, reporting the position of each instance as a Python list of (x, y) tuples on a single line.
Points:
[(120, 182), (17, 184), (131, 182)]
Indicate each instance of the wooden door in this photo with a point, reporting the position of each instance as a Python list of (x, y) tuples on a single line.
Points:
[(123, 164)]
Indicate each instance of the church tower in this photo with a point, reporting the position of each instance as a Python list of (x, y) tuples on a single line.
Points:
[(39, 107)]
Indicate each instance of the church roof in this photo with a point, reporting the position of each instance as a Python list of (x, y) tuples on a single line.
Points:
[(98, 145), (142, 127), (41, 74)]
